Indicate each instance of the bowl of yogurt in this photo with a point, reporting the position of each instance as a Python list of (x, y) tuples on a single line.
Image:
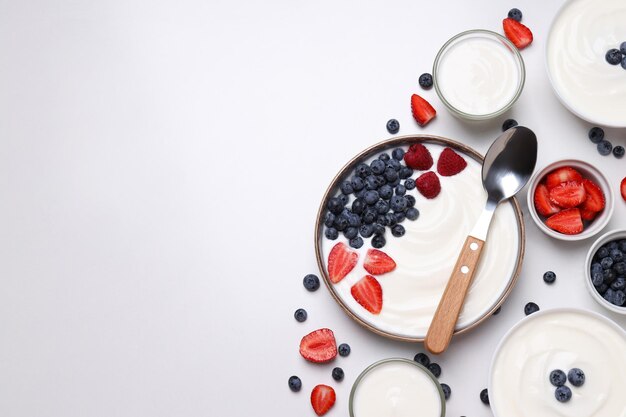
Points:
[(396, 387), (478, 74)]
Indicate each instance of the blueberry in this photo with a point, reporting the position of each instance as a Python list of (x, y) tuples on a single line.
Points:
[(484, 396), (356, 242), (300, 315), (597, 278), (391, 175), (384, 157), (295, 383), (435, 369), (549, 277), (344, 349), (385, 192), (558, 378), (378, 241), (369, 215), (622, 48), (622, 245), (351, 232), (596, 267), (344, 199), (422, 359), (395, 182), (382, 220), (311, 282), (606, 262), (612, 245), (393, 126), (341, 222), (609, 276), (412, 213), (405, 172), (596, 134), (390, 219), (563, 394), (620, 268), (371, 183), (397, 154), (354, 220), (334, 205), (446, 391), (398, 203), (358, 206), (346, 187), (371, 197), (381, 206), (623, 64), (605, 147), (399, 217), (329, 219), (620, 298), (613, 56), (616, 255), (426, 80), (530, 308), (619, 284), (398, 230), (338, 374), (366, 230), (618, 151), (576, 377), (602, 289), (357, 183), (400, 189), (377, 166), (410, 200), (379, 229), (515, 14), (608, 295), (331, 233), (394, 164), (603, 252), (508, 123), (362, 170), (409, 184)]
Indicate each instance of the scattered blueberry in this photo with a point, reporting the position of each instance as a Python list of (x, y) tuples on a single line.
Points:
[(295, 384), (558, 378), (563, 394), (549, 277), (391, 175), (613, 56), (515, 14), (357, 183), (343, 349), (410, 200), (622, 48), (603, 252), (331, 233), (405, 172), (446, 391), (409, 183), (344, 199), (398, 230), (620, 268), (426, 80), (412, 213), (616, 254), (377, 166), (338, 374), (378, 241), (484, 396), (334, 205), (435, 369), (597, 278), (346, 187), (399, 219), (311, 282), (623, 64), (351, 233), (576, 377), (369, 215), (605, 147), (606, 262), (329, 219), (363, 170), (393, 126), (381, 206), (371, 197), (508, 123), (618, 151), (300, 315), (366, 230), (385, 192), (397, 154), (400, 189), (384, 157), (398, 203), (530, 308), (341, 222), (422, 359), (356, 242), (394, 164), (596, 134)]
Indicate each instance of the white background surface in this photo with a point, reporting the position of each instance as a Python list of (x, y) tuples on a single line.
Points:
[(161, 164)]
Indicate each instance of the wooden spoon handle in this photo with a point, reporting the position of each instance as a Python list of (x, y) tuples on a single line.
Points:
[(443, 324)]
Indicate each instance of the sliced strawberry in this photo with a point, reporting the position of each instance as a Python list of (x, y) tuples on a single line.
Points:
[(542, 201), (322, 399), (450, 163), (561, 175), (378, 262), (319, 346), (341, 261), (588, 215), (517, 33), (568, 194), (567, 222), (428, 184), (595, 197), (622, 188), (369, 294), (422, 111), (418, 157)]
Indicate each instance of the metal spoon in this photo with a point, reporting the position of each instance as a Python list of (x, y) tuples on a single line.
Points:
[(508, 165)]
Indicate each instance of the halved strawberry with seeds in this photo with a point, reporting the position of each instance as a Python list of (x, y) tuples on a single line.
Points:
[(595, 197), (567, 222), (622, 188), (368, 293), (422, 111), (319, 346), (418, 157), (322, 399), (378, 262), (517, 33), (569, 194), (561, 175), (588, 215), (542, 201), (341, 261), (450, 163)]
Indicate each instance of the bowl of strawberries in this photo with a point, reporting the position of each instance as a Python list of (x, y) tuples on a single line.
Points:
[(570, 200)]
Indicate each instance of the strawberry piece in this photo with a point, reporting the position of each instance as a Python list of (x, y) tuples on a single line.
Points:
[(418, 157), (567, 222), (319, 346), (588, 215), (595, 197), (322, 399), (378, 262), (368, 293), (569, 194), (561, 175), (622, 188), (517, 33), (450, 163), (542, 201), (422, 111), (341, 261), (428, 184)]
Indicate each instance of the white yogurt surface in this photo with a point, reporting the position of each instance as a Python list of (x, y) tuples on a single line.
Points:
[(560, 339), (581, 35), (426, 254), (396, 389)]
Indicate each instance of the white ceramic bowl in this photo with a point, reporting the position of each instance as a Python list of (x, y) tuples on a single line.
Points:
[(606, 238), (588, 171)]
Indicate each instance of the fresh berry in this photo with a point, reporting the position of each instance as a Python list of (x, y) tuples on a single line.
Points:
[(484, 396), (428, 185), (613, 56), (567, 222), (563, 394), (508, 123), (576, 377), (384, 157), (338, 374), (378, 241), (596, 134), (418, 157), (412, 213), (398, 203), (368, 293), (378, 262), (341, 261), (409, 184), (385, 192), (397, 154), (520, 35), (558, 378), (357, 183), (422, 359), (366, 230), (377, 166), (530, 308), (450, 163), (549, 277), (410, 200), (300, 315), (295, 383), (344, 349), (335, 205), (622, 188), (400, 189), (622, 48), (405, 172), (435, 369), (322, 399), (618, 151), (568, 194), (319, 346), (542, 201), (422, 111), (595, 197), (515, 14), (426, 80), (446, 391), (311, 282), (605, 147), (356, 242), (561, 175), (371, 197), (588, 215), (393, 126), (623, 64)]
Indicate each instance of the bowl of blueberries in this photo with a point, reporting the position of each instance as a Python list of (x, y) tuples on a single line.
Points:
[(605, 271)]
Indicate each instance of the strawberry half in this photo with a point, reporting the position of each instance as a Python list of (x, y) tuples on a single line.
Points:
[(567, 222), (428, 184), (341, 261), (319, 346), (561, 175), (418, 157), (322, 399), (568, 194), (517, 33), (378, 262), (595, 197), (422, 111), (542, 201), (450, 163), (622, 188), (588, 215), (369, 294)]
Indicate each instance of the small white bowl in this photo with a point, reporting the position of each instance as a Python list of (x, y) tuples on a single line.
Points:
[(606, 238), (588, 171)]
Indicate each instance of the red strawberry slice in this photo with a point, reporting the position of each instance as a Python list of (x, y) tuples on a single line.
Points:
[(517, 33), (542, 201), (595, 197), (561, 175), (588, 215), (450, 163), (369, 294), (319, 346), (569, 194), (341, 261), (422, 111), (418, 157), (322, 399), (622, 188), (378, 262), (428, 184), (567, 222)]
